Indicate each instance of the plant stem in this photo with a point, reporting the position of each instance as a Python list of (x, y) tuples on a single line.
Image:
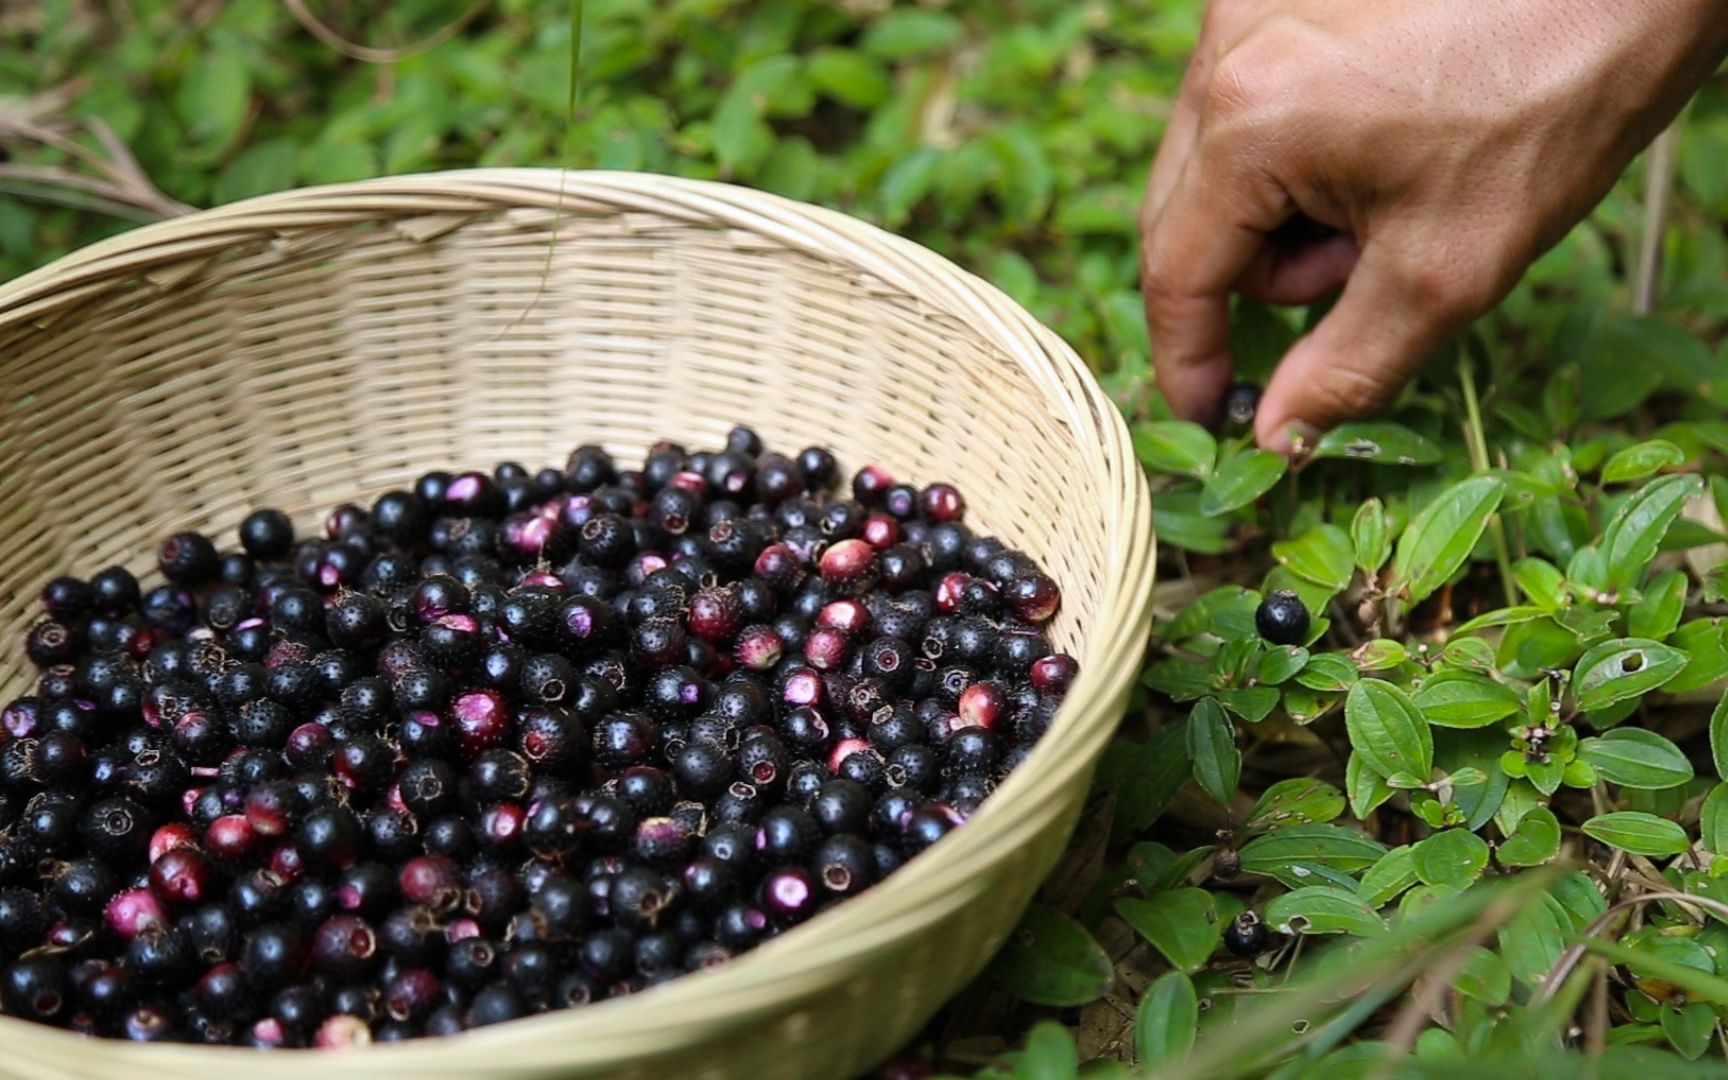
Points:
[(1477, 442), (1658, 183)]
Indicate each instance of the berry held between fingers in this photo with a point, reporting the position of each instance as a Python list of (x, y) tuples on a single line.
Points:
[(501, 743)]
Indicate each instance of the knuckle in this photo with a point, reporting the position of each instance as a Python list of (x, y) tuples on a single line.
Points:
[(1259, 80), (1221, 16), (1452, 290)]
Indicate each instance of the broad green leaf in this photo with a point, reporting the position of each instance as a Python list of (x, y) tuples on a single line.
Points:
[(1182, 924), (1328, 673), (1050, 1054), (1395, 872), (1713, 820), (1380, 442), (1387, 730), (1541, 582), (1279, 663), (1365, 787), (1176, 446), (1636, 758), (1442, 536), (1464, 699), (1511, 616), (1632, 537), (1145, 776), (1179, 679), (1322, 555), (1470, 654), (1454, 857), (1380, 654), (1485, 977), (1212, 749), (1623, 668), (1644, 459), (906, 184), (849, 77), (1689, 1028), (1639, 833), (1252, 704), (1225, 612), (1535, 841), (1322, 909), (1370, 536), (1657, 612), (1705, 642), (911, 31), (1051, 960), (1166, 1020), (1532, 940), (1332, 846), (213, 97), (1240, 479), (1299, 800), (1698, 982)]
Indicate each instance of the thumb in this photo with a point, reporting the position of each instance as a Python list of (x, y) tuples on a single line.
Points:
[(1393, 314)]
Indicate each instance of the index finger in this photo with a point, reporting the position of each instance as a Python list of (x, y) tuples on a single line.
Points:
[(1194, 251)]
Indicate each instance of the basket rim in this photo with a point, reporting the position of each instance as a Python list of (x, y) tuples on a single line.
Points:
[(773, 975)]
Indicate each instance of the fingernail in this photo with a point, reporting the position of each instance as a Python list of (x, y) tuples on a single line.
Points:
[(1294, 439)]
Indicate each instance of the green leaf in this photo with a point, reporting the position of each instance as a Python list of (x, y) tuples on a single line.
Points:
[(1485, 978), (1212, 748), (1322, 555), (849, 77), (1166, 1021), (1380, 654), (1322, 909), (1464, 699), (1632, 537), (1395, 872), (1330, 846), (1299, 800), (906, 184), (1387, 730), (1689, 1028), (1535, 841), (1454, 857), (906, 32), (1636, 758), (1541, 582), (265, 167), (1713, 820), (1637, 832), (1470, 654), (1145, 776), (1050, 1053), (1532, 940), (1642, 460), (1328, 673), (214, 96), (1364, 787), (1175, 446), (1623, 668), (1442, 536), (1279, 664), (1696, 982), (1182, 924), (1706, 644), (1380, 442), (1370, 537), (1657, 612), (1050, 959), (1241, 478), (1252, 704)]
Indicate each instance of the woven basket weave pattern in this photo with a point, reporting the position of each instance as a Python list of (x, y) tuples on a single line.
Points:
[(308, 348)]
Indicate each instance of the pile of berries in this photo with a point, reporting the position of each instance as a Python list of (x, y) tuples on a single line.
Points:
[(504, 743)]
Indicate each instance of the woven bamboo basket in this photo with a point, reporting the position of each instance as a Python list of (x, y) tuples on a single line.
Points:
[(310, 347)]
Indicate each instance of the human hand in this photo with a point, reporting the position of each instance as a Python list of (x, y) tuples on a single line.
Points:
[(1444, 144)]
